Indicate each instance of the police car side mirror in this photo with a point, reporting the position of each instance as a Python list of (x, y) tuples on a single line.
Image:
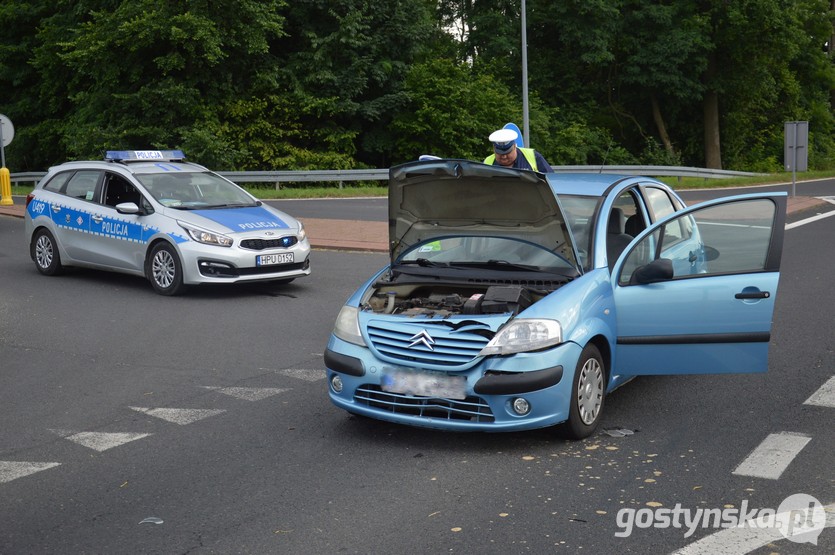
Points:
[(127, 208)]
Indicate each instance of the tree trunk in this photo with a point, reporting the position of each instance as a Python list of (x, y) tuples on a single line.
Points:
[(831, 50), (713, 151), (662, 129)]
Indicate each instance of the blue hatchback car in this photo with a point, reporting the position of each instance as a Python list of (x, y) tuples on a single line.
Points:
[(516, 300)]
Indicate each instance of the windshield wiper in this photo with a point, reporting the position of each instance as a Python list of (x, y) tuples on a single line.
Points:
[(495, 264), (230, 205), (501, 264), (424, 262)]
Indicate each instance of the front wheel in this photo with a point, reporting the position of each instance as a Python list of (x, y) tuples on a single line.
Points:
[(44, 252), (588, 393), (165, 271)]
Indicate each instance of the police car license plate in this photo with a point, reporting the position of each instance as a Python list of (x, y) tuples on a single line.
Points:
[(273, 259), (425, 384)]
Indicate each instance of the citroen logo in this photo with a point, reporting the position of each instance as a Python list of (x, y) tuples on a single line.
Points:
[(422, 338)]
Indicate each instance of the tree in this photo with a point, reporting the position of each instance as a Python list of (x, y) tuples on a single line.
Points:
[(451, 112)]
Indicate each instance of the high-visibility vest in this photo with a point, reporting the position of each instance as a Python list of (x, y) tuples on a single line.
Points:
[(528, 153)]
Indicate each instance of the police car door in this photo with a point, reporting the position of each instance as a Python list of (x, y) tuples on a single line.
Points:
[(120, 242), (71, 214)]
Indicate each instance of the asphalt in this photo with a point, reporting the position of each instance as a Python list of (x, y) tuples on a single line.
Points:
[(361, 235)]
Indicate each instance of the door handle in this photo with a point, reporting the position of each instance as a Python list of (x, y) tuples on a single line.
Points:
[(96, 218), (56, 208), (753, 295)]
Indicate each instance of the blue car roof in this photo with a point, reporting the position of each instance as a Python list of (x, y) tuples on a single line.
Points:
[(593, 184)]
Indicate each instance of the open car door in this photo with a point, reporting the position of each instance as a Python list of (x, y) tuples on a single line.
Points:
[(695, 292)]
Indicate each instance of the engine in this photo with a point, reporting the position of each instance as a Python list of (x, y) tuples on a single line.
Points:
[(442, 301)]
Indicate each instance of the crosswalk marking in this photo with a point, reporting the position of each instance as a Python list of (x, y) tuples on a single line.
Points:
[(825, 396), (747, 539), (249, 393), (773, 455), (179, 416), (11, 470), (302, 374), (100, 441)]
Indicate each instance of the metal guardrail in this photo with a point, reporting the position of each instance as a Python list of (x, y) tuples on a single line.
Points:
[(318, 176)]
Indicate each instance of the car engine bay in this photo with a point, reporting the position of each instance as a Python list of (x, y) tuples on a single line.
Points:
[(431, 300)]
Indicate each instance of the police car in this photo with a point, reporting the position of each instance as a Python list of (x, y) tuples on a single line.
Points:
[(152, 214)]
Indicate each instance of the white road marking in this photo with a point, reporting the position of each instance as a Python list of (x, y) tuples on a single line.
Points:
[(773, 455), (799, 223), (302, 374), (11, 470), (249, 393), (739, 541), (100, 441), (179, 416), (825, 396)]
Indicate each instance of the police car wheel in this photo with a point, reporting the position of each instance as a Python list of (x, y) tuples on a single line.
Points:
[(165, 270), (44, 252)]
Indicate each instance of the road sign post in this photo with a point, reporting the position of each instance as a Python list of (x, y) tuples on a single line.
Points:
[(796, 149)]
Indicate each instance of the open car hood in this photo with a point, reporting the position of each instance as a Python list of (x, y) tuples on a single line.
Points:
[(441, 198)]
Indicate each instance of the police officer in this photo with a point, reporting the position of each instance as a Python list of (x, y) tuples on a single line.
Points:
[(507, 154)]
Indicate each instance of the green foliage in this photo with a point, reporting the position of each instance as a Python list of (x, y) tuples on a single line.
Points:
[(451, 112), (340, 84)]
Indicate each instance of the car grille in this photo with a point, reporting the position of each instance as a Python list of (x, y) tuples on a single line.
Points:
[(261, 244), (451, 347), (471, 409)]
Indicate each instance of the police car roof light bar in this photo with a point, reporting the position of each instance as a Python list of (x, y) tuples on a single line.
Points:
[(144, 155)]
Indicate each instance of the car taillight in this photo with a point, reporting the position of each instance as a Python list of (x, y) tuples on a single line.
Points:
[(29, 198)]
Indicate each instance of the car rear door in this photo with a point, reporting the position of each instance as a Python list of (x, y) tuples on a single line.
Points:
[(695, 293), (71, 213)]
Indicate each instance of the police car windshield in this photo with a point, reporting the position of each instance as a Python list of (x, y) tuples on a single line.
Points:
[(194, 190)]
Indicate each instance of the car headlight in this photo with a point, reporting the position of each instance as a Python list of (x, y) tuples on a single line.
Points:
[(302, 233), (205, 236), (347, 326), (523, 335)]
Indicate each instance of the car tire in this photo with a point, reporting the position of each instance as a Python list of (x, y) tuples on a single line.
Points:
[(588, 393), (44, 252), (165, 271)]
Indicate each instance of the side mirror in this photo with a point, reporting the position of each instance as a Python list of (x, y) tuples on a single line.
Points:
[(127, 208), (657, 270)]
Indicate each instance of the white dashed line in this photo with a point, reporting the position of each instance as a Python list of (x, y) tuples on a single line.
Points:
[(179, 416), (100, 441), (825, 396), (773, 455), (11, 470), (249, 393)]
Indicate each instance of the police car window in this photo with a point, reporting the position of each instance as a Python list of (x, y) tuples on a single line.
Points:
[(57, 181), (82, 185), (117, 190)]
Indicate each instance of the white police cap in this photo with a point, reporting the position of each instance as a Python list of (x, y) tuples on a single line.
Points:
[(503, 140)]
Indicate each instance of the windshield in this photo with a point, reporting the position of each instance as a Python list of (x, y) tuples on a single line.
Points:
[(194, 190), (496, 253), (580, 213)]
